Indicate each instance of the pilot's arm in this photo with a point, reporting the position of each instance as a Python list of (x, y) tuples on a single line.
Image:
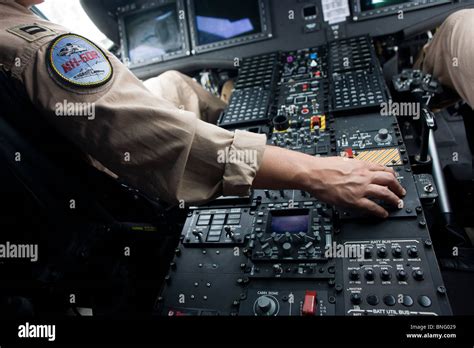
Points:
[(144, 139), (450, 55), (168, 152)]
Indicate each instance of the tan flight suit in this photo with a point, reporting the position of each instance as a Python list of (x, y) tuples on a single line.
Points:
[(449, 56), (150, 137)]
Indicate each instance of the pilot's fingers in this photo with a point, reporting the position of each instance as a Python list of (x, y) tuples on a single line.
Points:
[(380, 168), (387, 179), (372, 208), (384, 194)]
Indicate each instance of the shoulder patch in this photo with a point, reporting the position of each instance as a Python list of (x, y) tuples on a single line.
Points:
[(78, 62), (31, 32)]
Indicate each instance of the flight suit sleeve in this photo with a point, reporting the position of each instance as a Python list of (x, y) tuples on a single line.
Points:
[(450, 54), (154, 146)]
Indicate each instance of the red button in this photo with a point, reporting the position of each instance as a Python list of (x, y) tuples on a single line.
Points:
[(309, 305), (349, 153), (315, 121)]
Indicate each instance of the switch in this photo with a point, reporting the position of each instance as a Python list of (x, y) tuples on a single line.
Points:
[(229, 232), (356, 299), (419, 275), (315, 121), (277, 269), (397, 252), (367, 253), (309, 305), (198, 235), (385, 275), (402, 275), (349, 153), (382, 252), (370, 274), (354, 275), (413, 252)]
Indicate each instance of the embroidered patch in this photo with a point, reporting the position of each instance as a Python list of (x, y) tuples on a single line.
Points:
[(78, 62), (31, 32)]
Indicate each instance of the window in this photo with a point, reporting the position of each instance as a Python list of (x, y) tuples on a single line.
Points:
[(71, 15)]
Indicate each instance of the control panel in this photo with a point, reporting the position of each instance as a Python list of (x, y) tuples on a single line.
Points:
[(286, 253), (341, 77), (390, 278)]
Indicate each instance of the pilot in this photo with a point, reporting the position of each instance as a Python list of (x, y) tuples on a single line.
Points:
[(154, 135), (449, 56)]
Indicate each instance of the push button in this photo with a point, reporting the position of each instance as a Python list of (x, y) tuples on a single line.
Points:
[(389, 300), (407, 301), (424, 301), (372, 300)]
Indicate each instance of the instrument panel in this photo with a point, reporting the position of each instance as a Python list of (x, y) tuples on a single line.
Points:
[(205, 34), (286, 253), (152, 32)]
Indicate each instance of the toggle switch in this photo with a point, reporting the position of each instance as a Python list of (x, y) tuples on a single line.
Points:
[(310, 305)]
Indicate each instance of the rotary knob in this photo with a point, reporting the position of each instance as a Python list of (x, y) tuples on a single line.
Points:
[(281, 123), (287, 247), (383, 134), (397, 252), (370, 274), (266, 306), (402, 275), (382, 252), (419, 275), (413, 252), (385, 275)]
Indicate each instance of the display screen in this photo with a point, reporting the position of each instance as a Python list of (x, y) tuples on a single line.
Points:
[(218, 20), (309, 11), (153, 33), (368, 5), (290, 223)]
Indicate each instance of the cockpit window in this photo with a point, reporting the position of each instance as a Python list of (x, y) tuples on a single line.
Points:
[(70, 14)]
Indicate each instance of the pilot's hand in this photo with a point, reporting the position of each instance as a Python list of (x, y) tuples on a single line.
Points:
[(340, 181), (351, 183)]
